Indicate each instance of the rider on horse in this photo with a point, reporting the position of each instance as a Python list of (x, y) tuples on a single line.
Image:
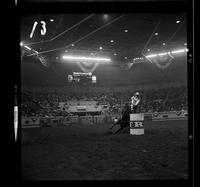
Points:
[(130, 107)]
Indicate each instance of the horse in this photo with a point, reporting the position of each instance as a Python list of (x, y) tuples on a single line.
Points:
[(124, 121)]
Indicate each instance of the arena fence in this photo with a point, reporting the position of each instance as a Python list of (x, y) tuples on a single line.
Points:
[(28, 122), (173, 115)]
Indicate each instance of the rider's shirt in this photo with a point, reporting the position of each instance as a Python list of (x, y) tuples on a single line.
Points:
[(134, 102)]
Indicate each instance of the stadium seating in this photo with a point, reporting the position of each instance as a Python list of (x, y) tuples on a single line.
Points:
[(47, 104)]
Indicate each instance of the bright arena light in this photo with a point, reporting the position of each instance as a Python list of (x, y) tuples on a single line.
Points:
[(150, 56), (178, 51), (105, 17), (35, 51), (163, 54), (27, 47), (86, 58)]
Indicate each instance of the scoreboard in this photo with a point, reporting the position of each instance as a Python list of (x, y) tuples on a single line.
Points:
[(82, 78)]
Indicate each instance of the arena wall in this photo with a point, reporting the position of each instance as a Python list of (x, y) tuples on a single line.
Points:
[(99, 119), (173, 115)]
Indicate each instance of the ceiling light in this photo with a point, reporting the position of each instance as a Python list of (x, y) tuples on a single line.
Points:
[(51, 20), (148, 49), (156, 33), (178, 51), (162, 54), (163, 43), (72, 45), (115, 54), (86, 58), (150, 56), (35, 51), (111, 41), (126, 30), (185, 43), (100, 48), (178, 21), (105, 17), (27, 47)]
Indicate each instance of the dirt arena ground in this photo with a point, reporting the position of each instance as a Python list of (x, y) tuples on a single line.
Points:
[(86, 152)]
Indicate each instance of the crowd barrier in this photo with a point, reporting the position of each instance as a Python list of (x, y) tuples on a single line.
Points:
[(174, 115), (28, 122), (147, 116), (74, 119), (99, 119), (86, 120), (69, 120)]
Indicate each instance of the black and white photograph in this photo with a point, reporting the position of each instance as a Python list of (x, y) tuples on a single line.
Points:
[(104, 96)]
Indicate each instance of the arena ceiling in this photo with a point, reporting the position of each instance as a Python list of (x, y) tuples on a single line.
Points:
[(119, 37)]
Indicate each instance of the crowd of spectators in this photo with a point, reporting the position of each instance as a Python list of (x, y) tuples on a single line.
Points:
[(46, 104), (168, 99)]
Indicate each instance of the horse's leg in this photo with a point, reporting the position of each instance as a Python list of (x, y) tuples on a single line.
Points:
[(113, 125), (118, 122), (119, 130), (122, 126)]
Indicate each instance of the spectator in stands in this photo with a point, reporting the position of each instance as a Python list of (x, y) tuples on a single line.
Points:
[(154, 100)]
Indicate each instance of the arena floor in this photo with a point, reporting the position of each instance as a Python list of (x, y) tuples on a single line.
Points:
[(86, 152)]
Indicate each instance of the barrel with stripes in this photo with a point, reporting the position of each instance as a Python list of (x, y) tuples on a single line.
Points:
[(137, 124)]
